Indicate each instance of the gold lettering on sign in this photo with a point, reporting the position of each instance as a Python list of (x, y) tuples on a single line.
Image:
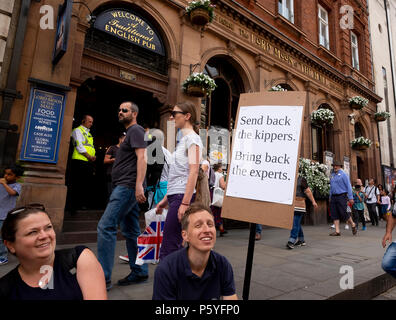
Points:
[(267, 47)]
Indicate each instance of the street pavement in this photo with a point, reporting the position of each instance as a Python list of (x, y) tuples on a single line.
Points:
[(304, 273)]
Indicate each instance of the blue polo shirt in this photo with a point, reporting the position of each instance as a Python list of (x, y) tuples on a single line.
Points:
[(174, 280), (339, 183)]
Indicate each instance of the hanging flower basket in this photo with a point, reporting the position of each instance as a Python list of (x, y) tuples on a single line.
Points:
[(277, 88), (198, 85), (201, 12), (358, 102), (322, 117), (361, 143), (381, 116), (195, 91)]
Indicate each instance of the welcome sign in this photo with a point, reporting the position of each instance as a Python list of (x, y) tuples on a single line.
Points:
[(130, 27)]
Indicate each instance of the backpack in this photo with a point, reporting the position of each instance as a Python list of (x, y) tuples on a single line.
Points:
[(66, 257)]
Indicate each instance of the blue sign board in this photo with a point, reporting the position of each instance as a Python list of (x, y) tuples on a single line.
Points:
[(129, 26), (43, 126)]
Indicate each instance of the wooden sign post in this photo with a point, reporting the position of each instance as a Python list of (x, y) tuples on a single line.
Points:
[(264, 163)]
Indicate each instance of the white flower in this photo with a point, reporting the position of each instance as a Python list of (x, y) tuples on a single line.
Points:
[(322, 115), (361, 141), (359, 101)]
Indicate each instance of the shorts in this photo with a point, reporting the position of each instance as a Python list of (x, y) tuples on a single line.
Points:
[(338, 207)]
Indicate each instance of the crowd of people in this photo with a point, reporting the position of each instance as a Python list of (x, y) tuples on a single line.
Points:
[(188, 268)]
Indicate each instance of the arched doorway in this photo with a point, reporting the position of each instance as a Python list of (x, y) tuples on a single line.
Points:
[(322, 138), (222, 105), (360, 157), (117, 67)]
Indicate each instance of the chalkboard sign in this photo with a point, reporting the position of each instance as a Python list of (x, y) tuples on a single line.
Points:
[(43, 126), (129, 26)]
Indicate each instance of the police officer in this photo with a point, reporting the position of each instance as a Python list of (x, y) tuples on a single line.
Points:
[(82, 159)]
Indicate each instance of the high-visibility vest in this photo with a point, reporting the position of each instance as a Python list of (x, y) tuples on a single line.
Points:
[(87, 143)]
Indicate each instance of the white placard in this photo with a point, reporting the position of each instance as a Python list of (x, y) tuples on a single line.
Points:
[(265, 153)]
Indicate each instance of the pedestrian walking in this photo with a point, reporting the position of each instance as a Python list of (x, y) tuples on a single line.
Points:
[(68, 274), (195, 272), (182, 178), (372, 197), (358, 207), (385, 205), (296, 234), (219, 183), (9, 192), (128, 177), (340, 194)]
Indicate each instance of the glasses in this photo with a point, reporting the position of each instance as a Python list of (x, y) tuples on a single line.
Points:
[(38, 206), (123, 110), (174, 113)]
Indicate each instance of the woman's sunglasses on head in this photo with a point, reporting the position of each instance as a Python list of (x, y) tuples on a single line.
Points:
[(38, 206)]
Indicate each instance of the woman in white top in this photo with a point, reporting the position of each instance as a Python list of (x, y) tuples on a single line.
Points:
[(182, 176), (219, 183)]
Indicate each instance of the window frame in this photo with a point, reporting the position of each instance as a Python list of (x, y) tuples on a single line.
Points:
[(284, 11), (355, 51), (326, 23)]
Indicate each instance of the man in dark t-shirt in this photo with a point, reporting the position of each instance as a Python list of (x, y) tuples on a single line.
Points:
[(195, 272), (128, 176)]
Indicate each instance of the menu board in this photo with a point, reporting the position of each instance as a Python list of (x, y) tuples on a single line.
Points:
[(43, 126)]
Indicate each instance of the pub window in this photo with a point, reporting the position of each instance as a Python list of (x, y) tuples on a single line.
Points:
[(355, 51), (286, 9), (323, 28), (358, 130)]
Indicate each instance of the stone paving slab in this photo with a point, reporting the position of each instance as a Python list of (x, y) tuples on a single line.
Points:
[(304, 273)]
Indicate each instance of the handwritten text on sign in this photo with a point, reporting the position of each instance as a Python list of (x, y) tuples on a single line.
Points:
[(265, 153)]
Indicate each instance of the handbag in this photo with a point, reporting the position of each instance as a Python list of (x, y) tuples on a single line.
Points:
[(218, 197)]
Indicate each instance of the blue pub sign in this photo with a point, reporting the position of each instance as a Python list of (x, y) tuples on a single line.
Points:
[(43, 126)]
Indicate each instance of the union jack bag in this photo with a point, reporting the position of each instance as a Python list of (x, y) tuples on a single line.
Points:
[(149, 242)]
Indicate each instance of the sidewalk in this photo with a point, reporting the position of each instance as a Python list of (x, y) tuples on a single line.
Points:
[(304, 273)]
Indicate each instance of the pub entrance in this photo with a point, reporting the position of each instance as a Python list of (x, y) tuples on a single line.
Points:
[(101, 99)]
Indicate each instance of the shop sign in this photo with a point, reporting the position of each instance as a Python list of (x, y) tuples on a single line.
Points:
[(130, 27), (62, 31), (43, 126)]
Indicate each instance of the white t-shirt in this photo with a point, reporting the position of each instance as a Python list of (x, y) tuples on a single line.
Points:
[(206, 162), (218, 176), (372, 192), (179, 167)]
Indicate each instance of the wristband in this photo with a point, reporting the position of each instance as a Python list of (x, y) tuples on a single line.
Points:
[(185, 204)]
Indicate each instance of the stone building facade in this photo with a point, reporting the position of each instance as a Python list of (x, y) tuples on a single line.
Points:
[(250, 46), (383, 37)]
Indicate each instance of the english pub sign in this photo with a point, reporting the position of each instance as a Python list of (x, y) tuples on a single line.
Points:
[(43, 126), (129, 26)]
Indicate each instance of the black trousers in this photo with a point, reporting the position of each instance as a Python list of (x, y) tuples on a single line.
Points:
[(358, 215), (373, 213), (81, 179)]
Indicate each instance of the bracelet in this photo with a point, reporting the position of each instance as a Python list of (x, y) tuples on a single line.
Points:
[(185, 204)]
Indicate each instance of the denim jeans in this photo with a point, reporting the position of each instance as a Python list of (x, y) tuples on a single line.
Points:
[(389, 260), (3, 248), (297, 231), (259, 228), (122, 210)]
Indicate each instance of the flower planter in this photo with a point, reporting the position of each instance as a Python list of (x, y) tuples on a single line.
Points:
[(195, 91), (356, 106), (360, 147), (322, 123), (380, 118), (199, 16)]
